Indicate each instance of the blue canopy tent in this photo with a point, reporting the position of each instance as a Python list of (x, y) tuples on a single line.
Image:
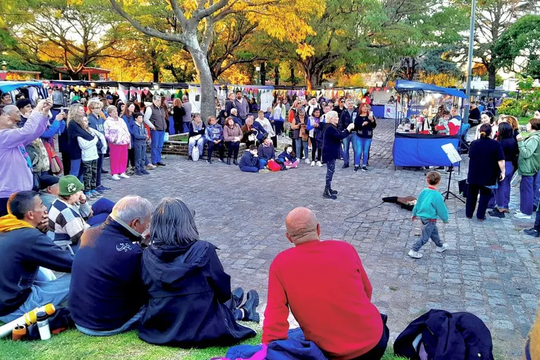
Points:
[(416, 150), (11, 86)]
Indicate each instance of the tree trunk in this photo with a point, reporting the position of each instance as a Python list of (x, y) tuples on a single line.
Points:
[(207, 83), (293, 78), (492, 73), (263, 73), (276, 75), (313, 78)]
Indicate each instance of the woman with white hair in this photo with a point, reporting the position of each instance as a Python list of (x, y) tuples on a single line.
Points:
[(190, 301), (119, 139), (330, 150)]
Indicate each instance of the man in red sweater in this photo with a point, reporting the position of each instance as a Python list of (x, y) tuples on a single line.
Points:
[(328, 292)]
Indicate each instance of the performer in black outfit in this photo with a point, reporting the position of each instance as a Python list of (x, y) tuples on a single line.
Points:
[(330, 151)]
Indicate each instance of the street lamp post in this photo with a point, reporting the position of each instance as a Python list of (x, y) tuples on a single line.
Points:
[(258, 70), (469, 68)]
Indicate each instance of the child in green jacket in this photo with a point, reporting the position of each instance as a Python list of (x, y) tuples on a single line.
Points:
[(430, 206)]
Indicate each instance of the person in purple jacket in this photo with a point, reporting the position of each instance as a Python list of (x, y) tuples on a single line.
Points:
[(15, 164)]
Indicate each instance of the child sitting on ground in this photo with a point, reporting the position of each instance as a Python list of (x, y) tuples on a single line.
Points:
[(138, 139), (249, 162), (288, 158), (430, 206)]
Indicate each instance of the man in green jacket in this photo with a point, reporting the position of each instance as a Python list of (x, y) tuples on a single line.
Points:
[(528, 166)]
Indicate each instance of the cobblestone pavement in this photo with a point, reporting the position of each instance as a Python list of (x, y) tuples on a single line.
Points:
[(491, 269)]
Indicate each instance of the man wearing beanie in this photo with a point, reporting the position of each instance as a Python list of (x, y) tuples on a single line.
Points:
[(15, 164), (69, 212), (65, 220)]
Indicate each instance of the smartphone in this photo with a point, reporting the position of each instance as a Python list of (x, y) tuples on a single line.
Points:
[(371, 113)]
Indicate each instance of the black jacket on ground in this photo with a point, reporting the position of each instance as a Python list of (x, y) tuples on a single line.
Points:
[(447, 336), (332, 142), (22, 252), (188, 288)]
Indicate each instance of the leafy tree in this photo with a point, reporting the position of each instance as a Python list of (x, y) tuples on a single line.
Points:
[(518, 48), (74, 34), (493, 17), (193, 25)]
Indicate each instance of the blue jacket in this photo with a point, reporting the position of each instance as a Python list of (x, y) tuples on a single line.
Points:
[(260, 130), (138, 134), (214, 132), (128, 119), (97, 123), (266, 152), (284, 155), (249, 160), (106, 287)]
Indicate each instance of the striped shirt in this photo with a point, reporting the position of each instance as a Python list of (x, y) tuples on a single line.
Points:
[(66, 222)]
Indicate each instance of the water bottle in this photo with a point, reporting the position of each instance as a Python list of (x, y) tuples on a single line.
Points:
[(43, 325)]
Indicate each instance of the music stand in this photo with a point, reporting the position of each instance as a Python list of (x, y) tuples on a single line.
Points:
[(454, 157)]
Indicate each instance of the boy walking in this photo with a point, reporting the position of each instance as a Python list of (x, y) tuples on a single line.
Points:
[(138, 139), (430, 206)]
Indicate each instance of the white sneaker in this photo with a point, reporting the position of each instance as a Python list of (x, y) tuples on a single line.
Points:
[(415, 254), (319, 164), (307, 161), (442, 248), (115, 177), (313, 163), (520, 215), (124, 176)]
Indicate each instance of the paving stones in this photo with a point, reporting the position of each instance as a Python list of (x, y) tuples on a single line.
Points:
[(491, 269)]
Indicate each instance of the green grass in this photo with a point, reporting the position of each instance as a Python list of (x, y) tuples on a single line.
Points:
[(72, 344)]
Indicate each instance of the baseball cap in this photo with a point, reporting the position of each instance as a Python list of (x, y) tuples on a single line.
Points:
[(47, 180), (69, 185), (109, 97)]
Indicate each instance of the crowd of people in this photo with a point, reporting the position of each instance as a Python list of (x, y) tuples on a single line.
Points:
[(128, 266)]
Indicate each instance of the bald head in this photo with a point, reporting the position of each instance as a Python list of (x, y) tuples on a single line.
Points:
[(302, 226)]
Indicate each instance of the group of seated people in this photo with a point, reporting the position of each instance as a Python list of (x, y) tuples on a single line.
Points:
[(149, 270)]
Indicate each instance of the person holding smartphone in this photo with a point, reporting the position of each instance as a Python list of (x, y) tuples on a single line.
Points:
[(362, 136)]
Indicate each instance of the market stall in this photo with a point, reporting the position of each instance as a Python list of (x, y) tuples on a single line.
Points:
[(33, 90), (418, 145)]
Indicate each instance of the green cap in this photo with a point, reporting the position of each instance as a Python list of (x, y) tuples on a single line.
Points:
[(69, 185)]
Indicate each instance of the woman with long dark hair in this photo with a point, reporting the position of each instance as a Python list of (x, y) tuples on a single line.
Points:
[(190, 301), (486, 165), (510, 148)]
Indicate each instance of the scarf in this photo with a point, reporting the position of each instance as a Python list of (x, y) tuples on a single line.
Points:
[(10, 223)]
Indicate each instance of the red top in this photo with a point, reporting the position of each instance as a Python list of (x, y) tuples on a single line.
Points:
[(329, 294)]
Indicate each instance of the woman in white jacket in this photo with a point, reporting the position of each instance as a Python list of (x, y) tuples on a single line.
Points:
[(90, 158)]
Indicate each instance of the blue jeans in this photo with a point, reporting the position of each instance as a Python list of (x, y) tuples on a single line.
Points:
[(253, 169), (43, 292), (77, 169), (527, 191), (536, 195), (262, 163), (503, 192), (157, 145), (361, 149), (330, 169), (429, 231), (185, 127), (140, 156), (346, 145), (299, 145), (130, 324)]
